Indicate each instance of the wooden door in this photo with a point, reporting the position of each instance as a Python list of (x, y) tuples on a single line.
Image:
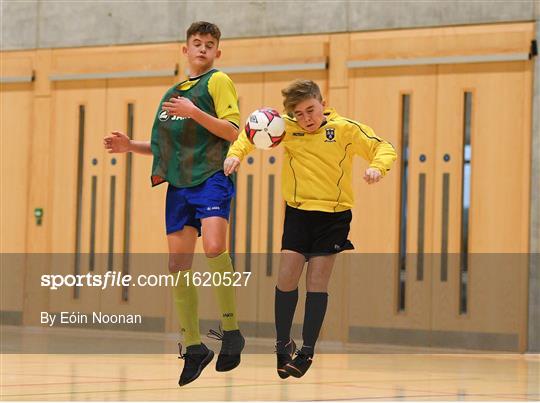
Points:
[(245, 219), (389, 279), (77, 187), (16, 122), (135, 236), (481, 205)]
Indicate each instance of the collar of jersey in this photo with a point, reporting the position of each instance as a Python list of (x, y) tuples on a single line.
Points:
[(199, 76), (329, 113), (190, 79)]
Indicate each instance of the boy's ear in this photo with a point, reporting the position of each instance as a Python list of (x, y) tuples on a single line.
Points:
[(218, 53), (323, 102), (184, 49)]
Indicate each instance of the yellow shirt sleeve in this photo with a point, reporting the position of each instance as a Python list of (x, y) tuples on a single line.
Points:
[(223, 92), (379, 153), (241, 147)]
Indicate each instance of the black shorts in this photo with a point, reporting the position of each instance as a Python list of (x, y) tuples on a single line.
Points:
[(316, 233)]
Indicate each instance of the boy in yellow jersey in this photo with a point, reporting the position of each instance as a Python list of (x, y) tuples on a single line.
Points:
[(194, 125), (317, 186)]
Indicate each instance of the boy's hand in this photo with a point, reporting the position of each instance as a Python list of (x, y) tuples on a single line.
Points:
[(180, 106), (231, 165), (372, 175), (117, 143)]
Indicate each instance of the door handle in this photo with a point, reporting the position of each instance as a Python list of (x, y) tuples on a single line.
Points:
[(112, 199), (93, 207), (444, 226)]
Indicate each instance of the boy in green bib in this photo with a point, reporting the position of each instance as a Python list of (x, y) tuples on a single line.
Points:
[(194, 125)]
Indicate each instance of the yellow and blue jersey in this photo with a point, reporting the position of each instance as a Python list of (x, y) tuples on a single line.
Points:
[(185, 153)]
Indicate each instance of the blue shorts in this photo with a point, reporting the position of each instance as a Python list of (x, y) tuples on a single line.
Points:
[(186, 206)]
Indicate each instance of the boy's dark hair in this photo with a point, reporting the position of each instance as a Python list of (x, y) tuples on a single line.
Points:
[(203, 28), (298, 91)]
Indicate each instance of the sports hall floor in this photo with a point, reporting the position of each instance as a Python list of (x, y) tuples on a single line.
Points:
[(364, 372)]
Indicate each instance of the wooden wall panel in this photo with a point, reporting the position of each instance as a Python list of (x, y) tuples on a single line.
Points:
[(498, 236), (16, 128), (444, 41), (115, 59), (273, 51), (370, 96)]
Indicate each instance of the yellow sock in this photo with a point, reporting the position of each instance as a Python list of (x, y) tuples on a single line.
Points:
[(225, 294), (186, 299)]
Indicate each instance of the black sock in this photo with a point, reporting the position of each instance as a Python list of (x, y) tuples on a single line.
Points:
[(316, 303), (284, 307)]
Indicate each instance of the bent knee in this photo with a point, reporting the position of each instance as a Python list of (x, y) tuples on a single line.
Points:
[(176, 266), (287, 282), (213, 249), (317, 285)]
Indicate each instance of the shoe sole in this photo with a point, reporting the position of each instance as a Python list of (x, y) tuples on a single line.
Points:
[(203, 365), (229, 368), (283, 374), (293, 371)]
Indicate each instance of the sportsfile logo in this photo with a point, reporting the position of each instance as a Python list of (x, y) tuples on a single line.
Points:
[(115, 278)]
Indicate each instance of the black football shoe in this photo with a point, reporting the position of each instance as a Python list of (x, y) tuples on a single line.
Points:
[(299, 365), (232, 344), (284, 353), (196, 358)]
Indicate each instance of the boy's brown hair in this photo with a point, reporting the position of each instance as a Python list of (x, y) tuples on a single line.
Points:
[(298, 91), (203, 28)]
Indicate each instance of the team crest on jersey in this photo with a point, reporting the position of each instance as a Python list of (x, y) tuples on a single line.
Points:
[(164, 116), (298, 134), (330, 135)]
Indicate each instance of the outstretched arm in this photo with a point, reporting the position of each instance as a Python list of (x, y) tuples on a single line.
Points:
[(119, 142), (238, 150)]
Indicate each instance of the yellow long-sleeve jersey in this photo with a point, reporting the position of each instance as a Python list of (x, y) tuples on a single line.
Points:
[(317, 167)]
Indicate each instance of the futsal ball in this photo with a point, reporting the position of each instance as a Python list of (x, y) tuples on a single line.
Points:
[(265, 128)]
